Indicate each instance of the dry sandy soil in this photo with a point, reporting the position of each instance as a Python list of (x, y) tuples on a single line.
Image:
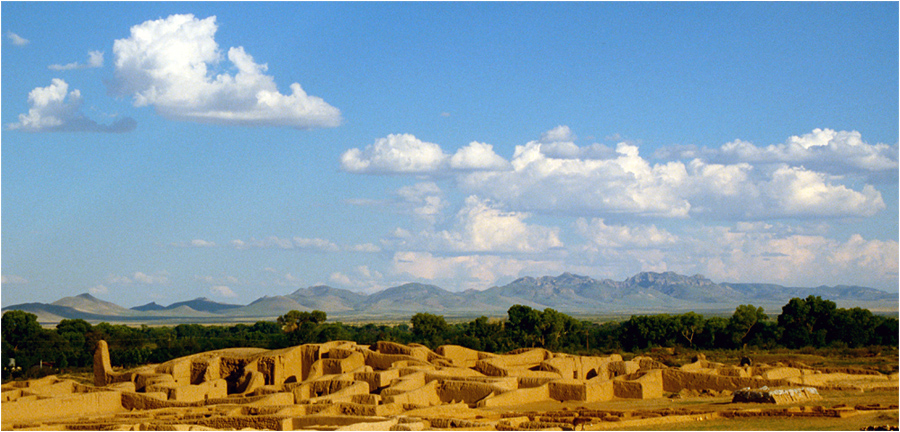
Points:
[(387, 386)]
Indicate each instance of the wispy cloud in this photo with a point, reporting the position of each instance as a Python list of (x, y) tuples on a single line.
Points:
[(166, 64), (13, 279), (302, 244), (16, 39), (222, 291), (158, 278), (95, 60), (55, 109), (98, 289), (195, 243)]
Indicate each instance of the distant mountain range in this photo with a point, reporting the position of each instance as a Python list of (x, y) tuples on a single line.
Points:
[(646, 292)]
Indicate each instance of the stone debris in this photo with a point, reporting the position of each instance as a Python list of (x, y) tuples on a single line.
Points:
[(387, 386), (776, 396)]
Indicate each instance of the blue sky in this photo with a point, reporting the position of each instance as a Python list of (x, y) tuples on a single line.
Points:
[(166, 151)]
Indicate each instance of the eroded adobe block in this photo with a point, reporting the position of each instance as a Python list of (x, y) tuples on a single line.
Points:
[(578, 390), (648, 386), (203, 391), (426, 395), (620, 368), (459, 356)]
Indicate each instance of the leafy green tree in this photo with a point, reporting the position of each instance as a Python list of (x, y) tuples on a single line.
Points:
[(295, 319), (332, 332), (80, 341), (716, 334), (645, 331), (886, 332), (483, 335), (807, 322), (744, 321), (689, 325), (429, 329), (855, 327), (23, 339), (522, 325), (18, 327)]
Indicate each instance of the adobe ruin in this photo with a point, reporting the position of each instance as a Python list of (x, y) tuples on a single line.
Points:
[(346, 386)]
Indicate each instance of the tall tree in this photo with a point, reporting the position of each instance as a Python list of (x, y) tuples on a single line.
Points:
[(744, 321), (428, 327), (689, 326), (807, 322)]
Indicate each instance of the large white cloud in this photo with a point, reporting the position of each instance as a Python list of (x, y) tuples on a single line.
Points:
[(553, 176), (169, 64), (55, 109), (624, 184)]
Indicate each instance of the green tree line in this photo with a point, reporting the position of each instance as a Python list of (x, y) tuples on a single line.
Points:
[(809, 322)]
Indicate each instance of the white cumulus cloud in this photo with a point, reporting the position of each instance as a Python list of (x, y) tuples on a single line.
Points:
[(55, 109), (395, 154), (477, 156), (170, 64), (482, 227), (557, 134), (624, 184), (823, 149), (798, 191), (611, 235)]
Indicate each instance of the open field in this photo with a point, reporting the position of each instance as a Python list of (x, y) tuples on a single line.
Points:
[(389, 386)]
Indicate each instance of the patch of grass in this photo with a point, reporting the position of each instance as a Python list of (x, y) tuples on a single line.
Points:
[(782, 423)]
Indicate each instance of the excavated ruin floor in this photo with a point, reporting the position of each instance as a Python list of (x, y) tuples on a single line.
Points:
[(388, 386)]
